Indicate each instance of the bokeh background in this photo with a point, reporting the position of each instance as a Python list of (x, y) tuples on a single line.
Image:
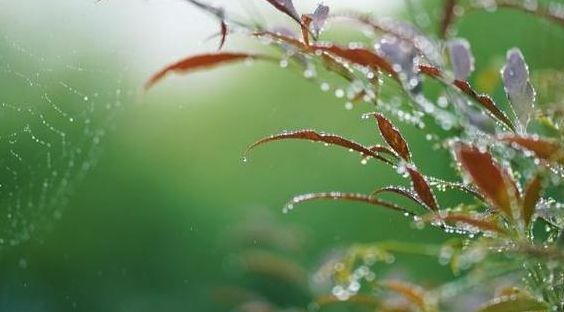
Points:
[(152, 207)]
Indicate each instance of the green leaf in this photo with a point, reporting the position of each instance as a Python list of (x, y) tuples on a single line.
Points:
[(514, 304)]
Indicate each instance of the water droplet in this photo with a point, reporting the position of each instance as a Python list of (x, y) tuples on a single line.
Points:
[(339, 93)]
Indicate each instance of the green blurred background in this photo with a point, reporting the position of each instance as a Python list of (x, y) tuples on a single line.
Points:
[(165, 202)]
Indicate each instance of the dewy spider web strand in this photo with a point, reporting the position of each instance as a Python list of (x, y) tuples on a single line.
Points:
[(52, 120)]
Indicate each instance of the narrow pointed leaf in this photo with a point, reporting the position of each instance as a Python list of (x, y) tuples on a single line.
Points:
[(347, 197), (481, 223), (223, 33), (422, 188), (381, 150), (518, 87), (530, 200), (306, 24), (393, 137), (219, 13), (199, 62), (359, 56), (543, 149), (311, 135), (514, 304), (286, 7), (488, 176), (461, 58), (484, 100), (401, 191)]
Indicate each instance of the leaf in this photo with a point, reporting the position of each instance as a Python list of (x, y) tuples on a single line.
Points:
[(199, 62), (530, 199), (311, 135), (461, 58), (402, 57), (486, 174), (382, 149), (545, 149), (514, 304), (518, 87), (306, 22), (286, 7), (401, 191), (347, 197), (481, 223), (484, 100), (319, 18), (284, 38), (223, 32), (359, 56), (219, 13), (405, 31), (422, 188), (393, 137)]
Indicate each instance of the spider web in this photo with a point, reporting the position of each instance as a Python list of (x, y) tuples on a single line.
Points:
[(52, 121)]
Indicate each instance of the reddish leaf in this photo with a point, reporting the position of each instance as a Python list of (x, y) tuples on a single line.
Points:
[(311, 135), (382, 149), (484, 100), (328, 59), (286, 7), (544, 149), (359, 56), (403, 192), (530, 199), (481, 223), (347, 197), (393, 137), (223, 32), (463, 188), (422, 188), (494, 183), (198, 62), (285, 39), (333, 65), (219, 13), (306, 23)]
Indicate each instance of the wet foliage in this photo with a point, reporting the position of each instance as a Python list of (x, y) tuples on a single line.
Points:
[(508, 239)]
